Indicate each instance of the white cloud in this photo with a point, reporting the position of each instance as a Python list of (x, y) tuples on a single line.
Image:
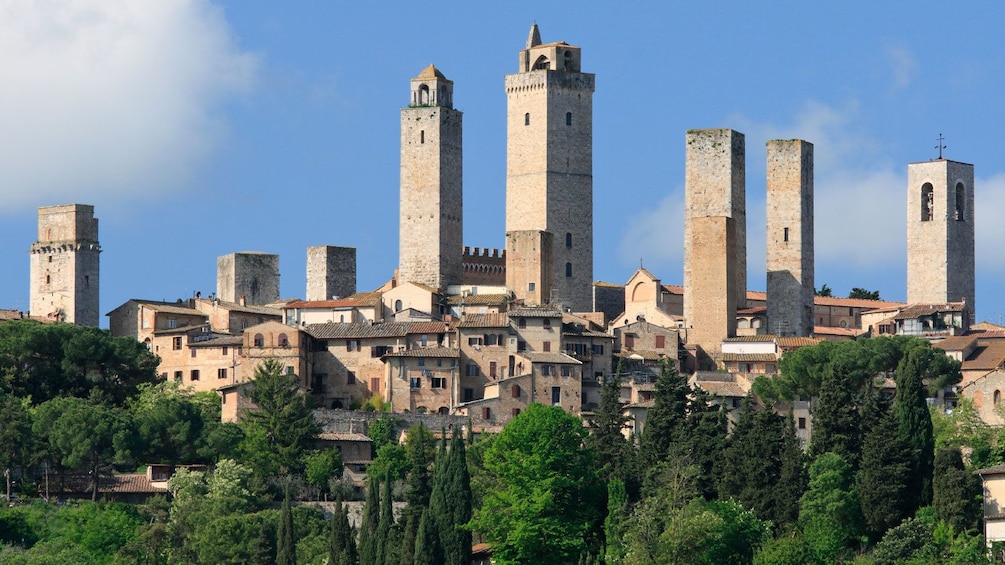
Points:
[(903, 66), (110, 97), (656, 235)]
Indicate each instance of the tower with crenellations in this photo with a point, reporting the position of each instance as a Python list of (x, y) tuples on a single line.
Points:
[(431, 214), (789, 253), (65, 265), (940, 233), (549, 165)]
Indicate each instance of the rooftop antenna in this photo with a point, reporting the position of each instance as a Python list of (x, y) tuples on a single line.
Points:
[(940, 146)]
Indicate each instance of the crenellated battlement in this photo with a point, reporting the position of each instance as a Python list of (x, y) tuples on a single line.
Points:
[(484, 266)]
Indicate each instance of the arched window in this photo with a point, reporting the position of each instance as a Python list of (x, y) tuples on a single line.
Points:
[(397, 306), (443, 411), (259, 340), (742, 324), (526, 119), (568, 269), (756, 323), (568, 118), (927, 202), (998, 397), (568, 239), (423, 95), (284, 341), (568, 61), (961, 202), (541, 63), (515, 391)]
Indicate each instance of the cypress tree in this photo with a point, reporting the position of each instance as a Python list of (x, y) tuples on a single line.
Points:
[(286, 544), (418, 490), (368, 527), (454, 538), (438, 504), (956, 493), (705, 441), (914, 423), (342, 548), (425, 542), (793, 477), (606, 426), (836, 422), (384, 524), (614, 523), (665, 420), (883, 475)]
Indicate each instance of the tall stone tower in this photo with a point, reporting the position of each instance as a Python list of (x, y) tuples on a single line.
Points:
[(715, 236), (251, 275), (790, 237), (529, 262), (940, 233), (331, 271), (432, 209), (64, 265), (549, 162)]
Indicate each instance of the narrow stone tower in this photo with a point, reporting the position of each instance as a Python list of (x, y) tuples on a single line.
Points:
[(940, 233), (549, 162), (715, 236), (529, 265), (331, 272), (64, 265), (432, 209), (249, 275), (790, 237)]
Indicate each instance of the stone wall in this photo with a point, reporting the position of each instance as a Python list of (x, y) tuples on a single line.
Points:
[(710, 301), (483, 266), (529, 273), (789, 241), (331, 272), (252, 275), (64, 265)]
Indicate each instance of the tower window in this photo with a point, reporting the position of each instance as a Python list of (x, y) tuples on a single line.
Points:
[(568, 239), (48, 279), (961, 201), (423, 95), (568, 269), (526, 119), (422, 136), (568, 118), (87, 280), (531, 287), (786, 234), (50, 258), (927, 202)]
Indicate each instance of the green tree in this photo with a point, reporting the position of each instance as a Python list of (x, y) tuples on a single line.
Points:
[(391, 460), (864, 294), (439, 516), (882, 476), (170, 424), (824, 291), (455, 538), (17, 444), (546, 499), (829, 511), (956, 493), (420, 445), (665, 421), (342, 546), (321, 466), (286, 541), (280, 428), (607, 425), (385, 523), (705, 440), (914, 423), (836, 421), (368, 527), (614, 523), (426, 542), (793, 478)]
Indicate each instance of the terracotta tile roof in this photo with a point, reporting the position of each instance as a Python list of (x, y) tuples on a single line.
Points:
[(248, 308), (485, 321), (179, 308), (608, 285), (645, 354), (722, 389), (535, 312), (359, 300), (985, 357), (985, 325), (118, 483), (762, 338), (426, 352), (749, 357), (793, 342), (220, 341), (989, 335), (996, 470), (956, 343), (854, 302), (343, 436), (641, 404), (478, 300), (585, 333), (674, 288), (331, 330), (432, 72), (425, 327), (827, 330), (180, 329), (915, 311), (546, 357), (752, 310)]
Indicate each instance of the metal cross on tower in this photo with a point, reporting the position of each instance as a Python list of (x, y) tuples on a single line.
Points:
[(940, 146)]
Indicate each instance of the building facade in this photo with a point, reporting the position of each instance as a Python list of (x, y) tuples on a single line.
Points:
[(65, 265)]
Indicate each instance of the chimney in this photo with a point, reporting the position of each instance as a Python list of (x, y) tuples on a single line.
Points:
[(243, 301)]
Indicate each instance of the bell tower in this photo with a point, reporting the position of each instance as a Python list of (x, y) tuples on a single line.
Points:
[(549, 164), (430, 219)]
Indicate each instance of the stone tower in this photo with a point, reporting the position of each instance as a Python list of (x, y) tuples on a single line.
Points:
[(715, 236), (64, 265), (790, 237), (940, 233), (331, 271), (529, 263), (252, 275), (549, 162), (430, 223)]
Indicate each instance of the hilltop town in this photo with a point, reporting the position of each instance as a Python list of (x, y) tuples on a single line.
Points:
[(475, 336)]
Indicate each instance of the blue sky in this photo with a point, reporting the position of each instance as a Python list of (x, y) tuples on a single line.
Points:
[(202, 128)]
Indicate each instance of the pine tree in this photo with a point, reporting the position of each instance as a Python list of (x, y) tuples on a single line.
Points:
[(836, 418), (883, 474), (454, 538), (914, 422), (956, 493), (665, 420), (342, 548), (384, 524), (754, 453), (606, 426), (286, 543), (614, 523), (705, 441), (368, 527)]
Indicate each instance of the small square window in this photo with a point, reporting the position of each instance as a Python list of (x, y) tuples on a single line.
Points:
[(195, 374), (221, 373)]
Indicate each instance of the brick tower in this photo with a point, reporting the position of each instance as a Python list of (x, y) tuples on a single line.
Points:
[(549, 163), (64, 265), (432, 209), (715, 236), (790, 237), (940, 233)]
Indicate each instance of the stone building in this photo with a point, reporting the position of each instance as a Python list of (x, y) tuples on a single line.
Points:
[(65, 265), (715, 237), (431, 214), (423, 380), (529, 266), (331, 272), (252, 275), (790, 237), (940, 233), (549, 163)]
